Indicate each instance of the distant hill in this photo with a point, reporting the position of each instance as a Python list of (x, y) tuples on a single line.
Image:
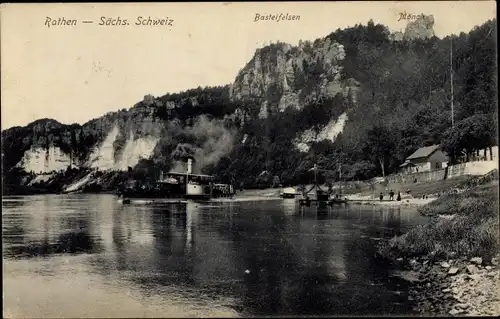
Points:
[(362, 96)]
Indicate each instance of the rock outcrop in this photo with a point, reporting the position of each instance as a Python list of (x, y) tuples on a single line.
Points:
[(287, 76), (421, 28), (442, 291), (397, 36)]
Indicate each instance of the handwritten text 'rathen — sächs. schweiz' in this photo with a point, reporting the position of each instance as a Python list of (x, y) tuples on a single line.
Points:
[(139, 21)]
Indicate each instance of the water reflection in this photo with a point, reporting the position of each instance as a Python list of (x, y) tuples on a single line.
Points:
[(268, 258), (45, 232)]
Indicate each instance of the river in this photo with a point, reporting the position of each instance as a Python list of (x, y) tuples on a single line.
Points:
[(91, 256)]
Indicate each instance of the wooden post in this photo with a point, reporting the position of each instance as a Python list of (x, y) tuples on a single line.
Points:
[(451, 80), (315, 176), (340, 179)]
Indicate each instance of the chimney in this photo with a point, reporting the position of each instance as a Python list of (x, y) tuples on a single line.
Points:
[(189, 165)]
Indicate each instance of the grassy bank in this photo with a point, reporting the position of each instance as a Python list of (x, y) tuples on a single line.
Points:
[(468, 227), (453, 259)]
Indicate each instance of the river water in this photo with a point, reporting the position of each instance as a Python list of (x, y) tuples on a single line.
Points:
[(91, 256)]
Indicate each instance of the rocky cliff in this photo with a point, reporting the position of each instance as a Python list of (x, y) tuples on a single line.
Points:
[(115, 141), (293, 76), (279, 76)]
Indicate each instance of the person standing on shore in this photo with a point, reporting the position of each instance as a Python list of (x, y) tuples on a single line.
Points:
[(391, 195), (399, 196)]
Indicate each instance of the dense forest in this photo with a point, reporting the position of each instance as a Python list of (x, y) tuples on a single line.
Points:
[(403, 103)]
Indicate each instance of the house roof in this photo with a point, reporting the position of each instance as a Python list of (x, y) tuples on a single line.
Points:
[(406, 163), (423, 152)]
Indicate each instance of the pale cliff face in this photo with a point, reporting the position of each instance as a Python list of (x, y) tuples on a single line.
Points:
[(104, 156), (44, 160), (329, 132)]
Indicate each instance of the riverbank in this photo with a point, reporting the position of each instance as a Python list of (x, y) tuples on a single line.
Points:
[(246, 198), (454, 287), (407, 201), (362, 192), (91, 181), (358, 199), (453, 260)]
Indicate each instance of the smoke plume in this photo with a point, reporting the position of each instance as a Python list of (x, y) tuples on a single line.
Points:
[(211, 141)]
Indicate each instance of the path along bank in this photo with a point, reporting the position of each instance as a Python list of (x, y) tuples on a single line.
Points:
[(452, 261)]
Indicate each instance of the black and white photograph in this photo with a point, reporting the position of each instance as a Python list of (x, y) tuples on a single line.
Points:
[(250, 159)]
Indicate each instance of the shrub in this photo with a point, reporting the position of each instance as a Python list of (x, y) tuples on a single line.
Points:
[(472, 231)]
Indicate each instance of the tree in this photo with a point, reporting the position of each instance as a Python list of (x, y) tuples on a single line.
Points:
[(452, 143), (470, 134), (379, 146)]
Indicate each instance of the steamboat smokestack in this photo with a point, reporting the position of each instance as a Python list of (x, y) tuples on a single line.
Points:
[(189, 165)]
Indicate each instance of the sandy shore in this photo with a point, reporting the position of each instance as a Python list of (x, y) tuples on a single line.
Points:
[(353, 199), (246, 199), (406, 201), (358, 198)]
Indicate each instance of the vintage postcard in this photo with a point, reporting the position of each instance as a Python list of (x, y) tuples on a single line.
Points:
[(247, 159)]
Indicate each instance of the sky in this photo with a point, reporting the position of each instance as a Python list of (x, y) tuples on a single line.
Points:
[(76, 73)]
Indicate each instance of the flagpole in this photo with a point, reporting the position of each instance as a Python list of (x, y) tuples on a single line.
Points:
[(451, 80)]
